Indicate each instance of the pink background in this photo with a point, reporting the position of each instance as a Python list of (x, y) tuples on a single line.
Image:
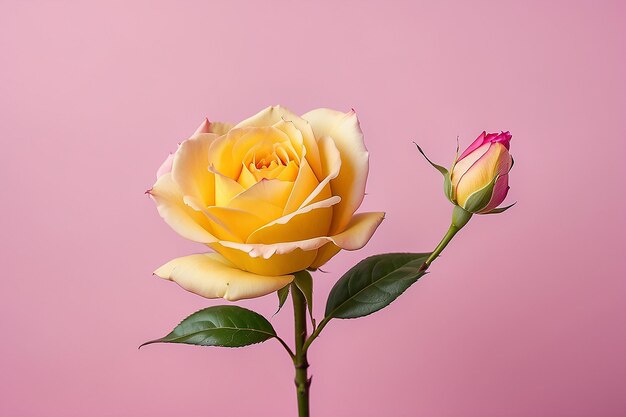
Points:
[(525, 313)]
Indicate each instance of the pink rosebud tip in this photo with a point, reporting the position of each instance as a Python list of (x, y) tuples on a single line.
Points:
[(503, 137)]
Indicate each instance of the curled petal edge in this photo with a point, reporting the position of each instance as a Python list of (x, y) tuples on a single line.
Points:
[(210, 275), (356, 235)]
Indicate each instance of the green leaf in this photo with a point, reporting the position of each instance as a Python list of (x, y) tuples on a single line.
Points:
[(373, 284), (439, 168), (304, 282), (226, 326), (283, 293)]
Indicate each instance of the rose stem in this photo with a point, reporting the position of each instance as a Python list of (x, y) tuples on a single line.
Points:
[(301, 364), (460, 218)]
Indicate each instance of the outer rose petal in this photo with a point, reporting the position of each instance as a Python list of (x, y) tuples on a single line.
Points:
[(279, 257), (345, 131), (324, 254), (190, 168), (186, 221), (480, 140), (359, 231), (504, 138), (500, 190), (278, 264), (218, 128), (463, 165), (205, 127), (166, 166), (331, 166), (227, 223), (212, 276), (306, 223)]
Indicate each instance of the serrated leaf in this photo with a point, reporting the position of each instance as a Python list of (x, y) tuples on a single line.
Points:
[(283, 293), (304, 282), (225, 326), (373, 284)]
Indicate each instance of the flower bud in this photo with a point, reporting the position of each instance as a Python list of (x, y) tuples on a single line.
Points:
[(479, 179)]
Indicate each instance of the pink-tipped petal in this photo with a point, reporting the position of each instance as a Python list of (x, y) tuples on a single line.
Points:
[(166, 166), (218, 128), (205, 127), (480, 140), (504, 138), (500, 190)]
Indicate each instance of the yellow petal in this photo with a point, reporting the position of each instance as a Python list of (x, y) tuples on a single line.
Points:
[(278, 264), (242, 145), (346, 133), (294, 135), (358, 232), (226, 189), (304, 185), (261, 140), (190, 168), (462, 166), (265, 199), (306, 223), (357, 235), (331, 166), (246, 178), (219, 128), (288, 173), (227, 223), (324, 254), (186, 221), (273, 115), (212, 276)]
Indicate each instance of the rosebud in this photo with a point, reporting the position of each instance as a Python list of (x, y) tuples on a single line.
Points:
[(479, 178), (477, 183)]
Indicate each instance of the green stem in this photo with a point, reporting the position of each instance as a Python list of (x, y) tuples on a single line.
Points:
[(300, 361), (460, 217), (316, 333)]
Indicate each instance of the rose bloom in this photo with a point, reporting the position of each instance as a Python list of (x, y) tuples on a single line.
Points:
[(480, 176), (272, 195)]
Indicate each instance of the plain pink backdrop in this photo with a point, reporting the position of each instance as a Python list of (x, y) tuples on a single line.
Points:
[(525, 313)]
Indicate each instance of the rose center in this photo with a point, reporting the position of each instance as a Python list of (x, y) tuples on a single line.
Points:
[(272, 162)]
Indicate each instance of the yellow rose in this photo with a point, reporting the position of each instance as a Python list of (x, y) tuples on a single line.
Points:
[(272, 195)]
